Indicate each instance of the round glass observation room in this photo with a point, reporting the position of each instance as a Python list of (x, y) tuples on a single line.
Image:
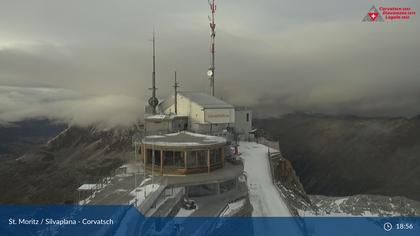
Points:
[(182, 153)]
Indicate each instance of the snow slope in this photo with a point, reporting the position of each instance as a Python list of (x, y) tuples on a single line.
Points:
[(264, 197)]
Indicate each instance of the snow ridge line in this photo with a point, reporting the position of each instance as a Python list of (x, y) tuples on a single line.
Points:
[(291, 211), (58, 135), (299, 221)]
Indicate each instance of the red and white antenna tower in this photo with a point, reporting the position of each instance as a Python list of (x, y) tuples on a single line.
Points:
[(210, 72)]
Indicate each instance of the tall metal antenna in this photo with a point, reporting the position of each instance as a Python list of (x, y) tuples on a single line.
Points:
[(153, 101), (210, 72), (176, 86)]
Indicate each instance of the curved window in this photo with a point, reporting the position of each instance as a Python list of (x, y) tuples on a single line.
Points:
[(215, 156), (179, 160), (182, 161), (168, 158), (197, 159)]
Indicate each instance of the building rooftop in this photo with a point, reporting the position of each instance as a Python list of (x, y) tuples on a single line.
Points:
[(163, 117), (205, 100), (183, 138)]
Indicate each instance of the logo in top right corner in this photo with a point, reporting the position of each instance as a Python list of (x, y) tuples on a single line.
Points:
[(388, 13), (373, 15)]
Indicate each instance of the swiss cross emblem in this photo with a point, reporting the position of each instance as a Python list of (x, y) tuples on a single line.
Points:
[(373, 15)]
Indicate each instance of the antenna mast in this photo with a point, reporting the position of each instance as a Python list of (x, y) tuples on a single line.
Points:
[(176, 86), (210, 72), (153, 101)]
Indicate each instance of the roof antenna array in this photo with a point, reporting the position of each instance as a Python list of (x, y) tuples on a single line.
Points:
[(210, 72), (176, 86), (153, 101)]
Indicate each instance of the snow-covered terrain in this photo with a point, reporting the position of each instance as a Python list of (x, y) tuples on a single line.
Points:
[(264, 196), (363, 205), (142, 192), (185, 213), (233, 207)]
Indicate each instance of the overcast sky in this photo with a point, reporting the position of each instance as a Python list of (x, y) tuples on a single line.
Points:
[(87, 61)]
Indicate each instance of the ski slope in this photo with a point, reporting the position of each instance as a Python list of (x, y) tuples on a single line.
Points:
[(264, 197)]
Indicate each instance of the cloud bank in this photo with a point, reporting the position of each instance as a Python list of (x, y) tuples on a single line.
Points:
[(90, 62), (67, 106)]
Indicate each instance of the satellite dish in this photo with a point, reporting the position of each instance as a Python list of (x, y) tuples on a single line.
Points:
[(153, 101)]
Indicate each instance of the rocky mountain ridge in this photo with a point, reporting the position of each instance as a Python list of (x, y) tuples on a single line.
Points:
[(348, 155), (52, 172)]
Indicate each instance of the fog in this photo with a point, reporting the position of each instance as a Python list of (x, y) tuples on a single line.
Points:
[(87, 62)]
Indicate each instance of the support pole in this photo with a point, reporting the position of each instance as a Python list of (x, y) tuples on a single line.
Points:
[(208, 161), (144, 161), (153, 101), (153, 162), (161, 162), (222, 152), (135, 150), (173, 158), (185, 160), (176, 86), (211, 71)]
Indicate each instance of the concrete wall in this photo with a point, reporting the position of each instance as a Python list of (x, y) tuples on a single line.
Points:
[(156, 126), (219, 116), (215, 129), (166, 125), (179, 123), (187, 108), (242, 124)]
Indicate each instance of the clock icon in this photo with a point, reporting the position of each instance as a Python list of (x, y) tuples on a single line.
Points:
[(387, 226)]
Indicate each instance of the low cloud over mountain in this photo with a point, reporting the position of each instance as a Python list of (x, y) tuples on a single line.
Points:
[(87, 62), (65, 105)]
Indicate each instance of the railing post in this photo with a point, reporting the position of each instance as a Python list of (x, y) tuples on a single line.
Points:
[(208, 160), (222, 153), (161, 162)]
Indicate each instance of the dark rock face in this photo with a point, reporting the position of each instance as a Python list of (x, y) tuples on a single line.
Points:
[(289, 183), (285, 173), (18, 138), (356, 205), (51, 173), (347, 155)]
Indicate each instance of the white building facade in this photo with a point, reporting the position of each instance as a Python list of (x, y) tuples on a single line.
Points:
[(243, 123), (206, 113)]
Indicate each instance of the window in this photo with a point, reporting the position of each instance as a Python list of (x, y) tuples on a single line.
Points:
[(202, 158), (150, 156), (215, 156), (179, 160), (157, 157), (197, 159), (247, 117), (168, 158), (191, 160)]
